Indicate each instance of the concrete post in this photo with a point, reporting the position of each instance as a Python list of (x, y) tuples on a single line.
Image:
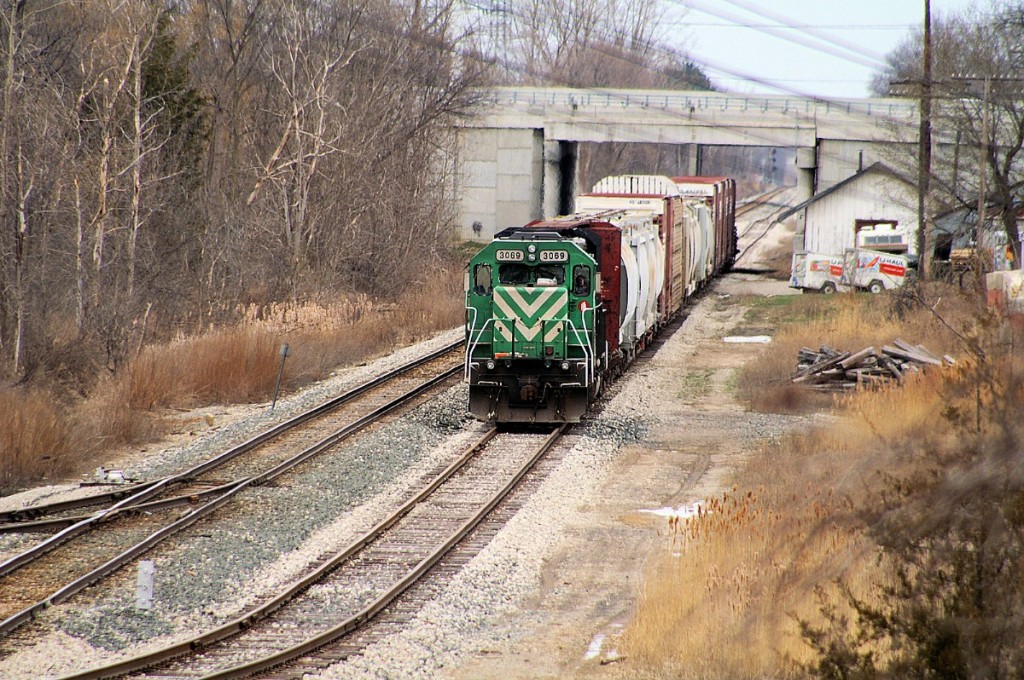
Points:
[(693, 160), (560, 176), (806, 166)]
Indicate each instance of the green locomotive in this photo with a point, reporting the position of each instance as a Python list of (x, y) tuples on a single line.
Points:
[(557, 308), (530, 326)]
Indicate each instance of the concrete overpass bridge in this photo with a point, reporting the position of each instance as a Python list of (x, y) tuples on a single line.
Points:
[(516, 160)]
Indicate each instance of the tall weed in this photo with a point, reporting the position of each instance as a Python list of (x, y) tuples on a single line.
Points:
[(36, 440), (226, 364)]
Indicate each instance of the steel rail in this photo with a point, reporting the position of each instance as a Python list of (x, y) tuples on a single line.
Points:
[(34, 512), (56, 523), (187, 520), (31, 513), (365, 615), (197, 644), (149, 491)]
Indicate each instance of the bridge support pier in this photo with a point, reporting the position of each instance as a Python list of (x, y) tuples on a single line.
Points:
[(561, 176), (693, 159), (806, 167), (499, 179)]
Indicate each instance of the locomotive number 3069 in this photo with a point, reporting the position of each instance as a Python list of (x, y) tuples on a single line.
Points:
[(509, 256), (554, 256)]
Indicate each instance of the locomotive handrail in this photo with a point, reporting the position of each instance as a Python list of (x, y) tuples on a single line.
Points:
[(471, 346), (588, 351), (592, 310)]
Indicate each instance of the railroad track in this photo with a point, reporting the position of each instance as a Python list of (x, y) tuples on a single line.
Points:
[(341, 604), (90, 547), (767, 222), (757, 201)]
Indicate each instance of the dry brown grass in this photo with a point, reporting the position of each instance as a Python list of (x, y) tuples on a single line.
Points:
[(231, 365), (724, 600), (845, 322), (36, 439), (224, 365), (726, 597)]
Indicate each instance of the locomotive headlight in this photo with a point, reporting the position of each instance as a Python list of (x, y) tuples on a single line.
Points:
[(565, 365), (531, 248), (490, 365)]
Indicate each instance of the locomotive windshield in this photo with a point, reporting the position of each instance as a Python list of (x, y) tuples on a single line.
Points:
[(519, 274)]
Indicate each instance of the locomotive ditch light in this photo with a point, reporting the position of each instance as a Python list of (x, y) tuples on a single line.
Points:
[(490, 364), (565, 366)]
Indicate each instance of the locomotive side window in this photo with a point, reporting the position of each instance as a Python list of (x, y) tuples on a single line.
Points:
[(482, 279), (581, 280)]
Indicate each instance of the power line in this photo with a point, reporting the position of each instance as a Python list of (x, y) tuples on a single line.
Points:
[(853, 48), (797, 27), (824, 45), (620, 36)]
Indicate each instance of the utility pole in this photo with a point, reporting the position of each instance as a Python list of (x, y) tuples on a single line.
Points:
[(982, 177), (924, 161)]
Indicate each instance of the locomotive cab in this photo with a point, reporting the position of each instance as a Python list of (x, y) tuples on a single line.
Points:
[(530, 324)]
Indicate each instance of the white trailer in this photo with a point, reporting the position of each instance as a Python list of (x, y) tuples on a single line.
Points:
[(817, 272), (874, 270)]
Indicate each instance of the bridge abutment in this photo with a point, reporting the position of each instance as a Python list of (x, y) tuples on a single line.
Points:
[(499, 179)]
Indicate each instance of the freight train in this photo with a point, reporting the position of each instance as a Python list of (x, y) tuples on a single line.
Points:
[(557, 308)]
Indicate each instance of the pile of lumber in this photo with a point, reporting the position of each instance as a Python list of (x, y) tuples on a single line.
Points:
[(830, 370)]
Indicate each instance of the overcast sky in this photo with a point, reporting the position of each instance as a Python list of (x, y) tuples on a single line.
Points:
[(835, 48)]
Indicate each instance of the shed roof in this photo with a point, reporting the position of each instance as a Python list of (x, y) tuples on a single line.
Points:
[(874, 167)]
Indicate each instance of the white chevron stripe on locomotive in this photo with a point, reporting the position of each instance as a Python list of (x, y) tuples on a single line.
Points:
[(503, 330), (528, 333), (527, 309), (517, 307)]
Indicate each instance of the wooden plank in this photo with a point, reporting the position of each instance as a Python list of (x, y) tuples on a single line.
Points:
[(818, 377), (912, 356), (892, 366), (918, 351), (854, 359), (822, 365)]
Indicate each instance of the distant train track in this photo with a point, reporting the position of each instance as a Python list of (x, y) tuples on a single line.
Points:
[(88, 548), (766, 222), (356, 596), (757, 202)]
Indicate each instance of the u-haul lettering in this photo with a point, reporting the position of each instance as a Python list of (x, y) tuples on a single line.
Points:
[(890, 266)]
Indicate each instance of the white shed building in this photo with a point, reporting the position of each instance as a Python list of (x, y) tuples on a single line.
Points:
[(875, 209)]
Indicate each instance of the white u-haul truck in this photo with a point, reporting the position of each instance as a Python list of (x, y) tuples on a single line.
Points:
[(874, 270), (857, 269)]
